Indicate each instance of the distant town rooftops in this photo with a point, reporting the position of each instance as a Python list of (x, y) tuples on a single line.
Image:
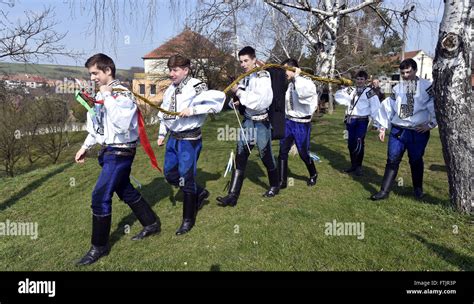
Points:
[(25, 78)]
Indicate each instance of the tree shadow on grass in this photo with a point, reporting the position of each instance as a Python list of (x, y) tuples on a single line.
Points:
[(338, 161), (463, 262), (154, 192), (440, 168), (253, 172), (203, 177), (32, 187), (370, 177), (429, 199)]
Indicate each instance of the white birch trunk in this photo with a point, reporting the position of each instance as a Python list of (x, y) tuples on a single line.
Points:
[(326, 35), (453, 101)]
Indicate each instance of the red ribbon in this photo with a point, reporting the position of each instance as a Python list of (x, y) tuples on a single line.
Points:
[(141, 133), (145, 142)]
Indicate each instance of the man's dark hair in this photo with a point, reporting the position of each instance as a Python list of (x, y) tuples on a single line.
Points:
[(362, 74), (179, 61), (291, 62), (103, 62), (405, 64), (248, 50)]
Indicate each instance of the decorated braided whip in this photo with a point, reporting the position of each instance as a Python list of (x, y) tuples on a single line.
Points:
[(342, 81), (145, 100)]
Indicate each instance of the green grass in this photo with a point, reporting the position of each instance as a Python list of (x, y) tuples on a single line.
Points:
[(283, 233), (51, 71)]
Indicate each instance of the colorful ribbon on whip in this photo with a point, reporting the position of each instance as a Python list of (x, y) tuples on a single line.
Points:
[(145, 143), (84, 99)]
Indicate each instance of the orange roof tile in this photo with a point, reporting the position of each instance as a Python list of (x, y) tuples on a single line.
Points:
[(411, 54), (180, 43)]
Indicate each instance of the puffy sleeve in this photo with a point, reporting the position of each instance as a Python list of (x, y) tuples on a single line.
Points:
[(162, 131), (343, 96), (385, 113), (260, 98), (374, 103), (210, 101), (305, 88), (120, 110)]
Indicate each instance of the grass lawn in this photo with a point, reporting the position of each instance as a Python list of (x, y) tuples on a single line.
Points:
[(51, 71), (283, 233)]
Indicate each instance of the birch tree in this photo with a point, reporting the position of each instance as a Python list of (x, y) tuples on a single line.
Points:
[(453, 100), (319, 28)]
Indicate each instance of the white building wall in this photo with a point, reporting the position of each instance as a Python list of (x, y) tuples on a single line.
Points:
[(425, 70)]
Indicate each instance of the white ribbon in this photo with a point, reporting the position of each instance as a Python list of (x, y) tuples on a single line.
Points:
[(230, 163)]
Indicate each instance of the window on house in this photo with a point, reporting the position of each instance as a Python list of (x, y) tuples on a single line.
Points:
[(142, 89), (153, 89)]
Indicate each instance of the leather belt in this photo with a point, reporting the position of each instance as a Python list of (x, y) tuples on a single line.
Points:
[(117, 151), (258, 117), (193, 134), (402, 127), (304, 119), (124, 145), (356, 117)]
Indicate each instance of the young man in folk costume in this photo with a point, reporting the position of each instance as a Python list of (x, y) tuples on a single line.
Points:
[(190, 97), (409, 112), (362, 102), (116, 127), (301, 102), (255, 94)]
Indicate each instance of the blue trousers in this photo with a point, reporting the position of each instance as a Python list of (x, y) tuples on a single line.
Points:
[(259, 133), (402, 139), (299, 133), (357, 128), (180, 167), (114, 177)]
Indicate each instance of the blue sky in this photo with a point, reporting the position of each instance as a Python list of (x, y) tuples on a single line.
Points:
[(132, 44)]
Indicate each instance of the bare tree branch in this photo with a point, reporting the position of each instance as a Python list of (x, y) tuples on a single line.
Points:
[(32, 39)]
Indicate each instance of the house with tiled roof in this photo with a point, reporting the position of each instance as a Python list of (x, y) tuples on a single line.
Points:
[(154, 80), (26, 80), (423, 61)]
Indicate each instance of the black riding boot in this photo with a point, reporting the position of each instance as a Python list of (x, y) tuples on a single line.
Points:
[(274, 180), (388, 178), (417, 178), (234, 189), (283, 173), (313, 174), (189, 213), (358, 158), (99, 240), (202, 195), (147, 217), (353, 166)]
